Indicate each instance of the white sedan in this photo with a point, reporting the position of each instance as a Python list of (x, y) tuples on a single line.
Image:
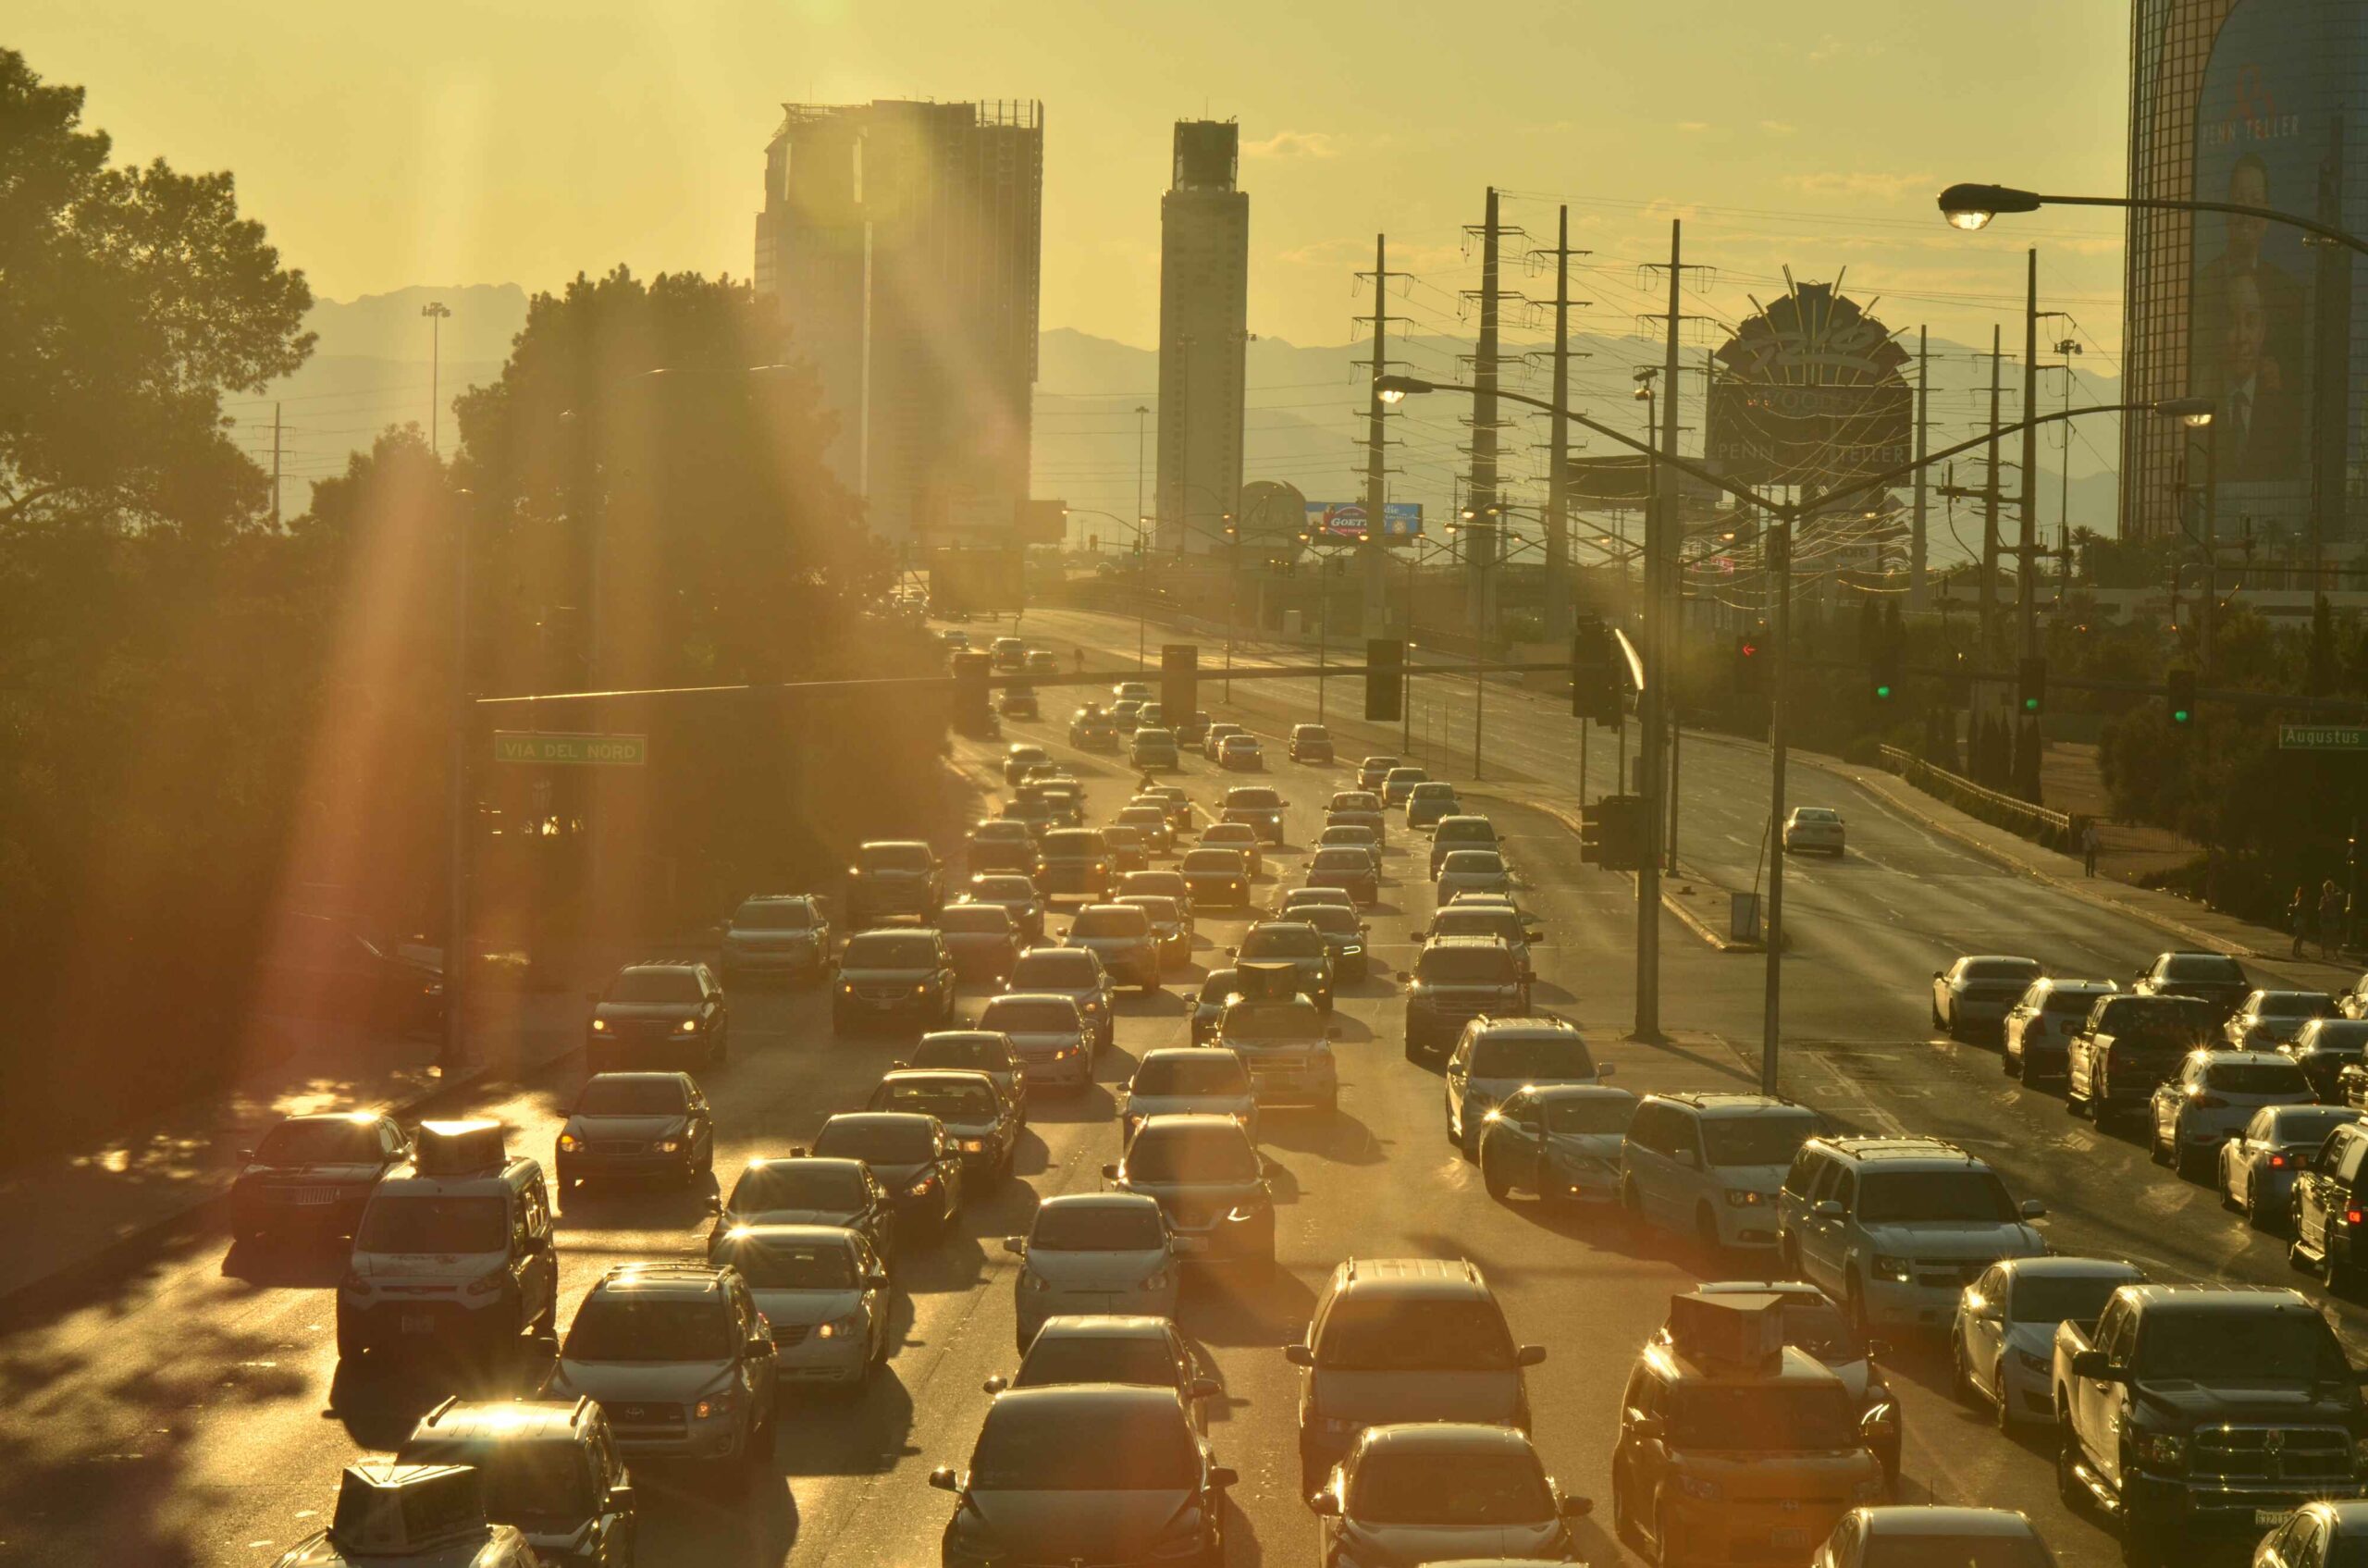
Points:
[(1473, 870), (2257, 1167), (1813, 827), (2003, 1339)]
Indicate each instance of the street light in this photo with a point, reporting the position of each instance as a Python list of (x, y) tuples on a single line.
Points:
[(1971, 207)]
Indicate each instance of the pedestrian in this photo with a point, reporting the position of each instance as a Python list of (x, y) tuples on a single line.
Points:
[(1077, 660), (2298, 918), (2090, 843), (2331, 909)]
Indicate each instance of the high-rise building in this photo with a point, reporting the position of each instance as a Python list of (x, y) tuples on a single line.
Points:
[(1204, 336), (901, 241), (2252, 103)]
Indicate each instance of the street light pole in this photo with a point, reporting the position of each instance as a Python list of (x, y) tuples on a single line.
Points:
[(456, 807), (437, 314), (1778, 563)]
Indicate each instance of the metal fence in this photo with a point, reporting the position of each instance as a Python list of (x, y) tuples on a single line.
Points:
[(2059, 831)]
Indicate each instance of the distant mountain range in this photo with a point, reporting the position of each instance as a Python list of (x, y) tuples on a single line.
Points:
[(1304, 422)]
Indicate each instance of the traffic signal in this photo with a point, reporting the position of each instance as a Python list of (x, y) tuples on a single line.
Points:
[(1750, 664), (1385, 676), (1178, 670), (1595, 680), (2030, 686), (2179, 689), (1612, 833), (1882, 673), (969, 711)]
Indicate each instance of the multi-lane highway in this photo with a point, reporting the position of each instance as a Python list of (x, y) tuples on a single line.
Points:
[(192, 1411)]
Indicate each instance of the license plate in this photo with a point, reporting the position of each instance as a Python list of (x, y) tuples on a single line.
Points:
[(419, 1323), (883, 1004), (2270, 1518), (1790, 1538), (313, 1197)]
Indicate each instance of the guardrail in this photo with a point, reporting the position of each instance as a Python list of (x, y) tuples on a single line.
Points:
[(2058, 830)]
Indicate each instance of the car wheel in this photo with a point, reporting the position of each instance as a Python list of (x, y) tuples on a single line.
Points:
[(2070, 1490), (1936, 1016), (2009, 1062), (349, 1342), (1706, 1231), (1491, 1179), (2003, 1415), (2254, 1217), (2336, 1274), (1623, 1517), (1468, 1138), (1855, 1304), (2156, 1149), (1960, 1374), (563, 1172), (2227, 1188), (1632, 1208), (1664, 1550)]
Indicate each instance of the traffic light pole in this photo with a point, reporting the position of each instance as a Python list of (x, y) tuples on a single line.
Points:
[(1779, 550)]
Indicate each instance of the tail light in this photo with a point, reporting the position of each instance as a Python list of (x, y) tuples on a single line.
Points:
[(2353, 1217), (2277, 1162)]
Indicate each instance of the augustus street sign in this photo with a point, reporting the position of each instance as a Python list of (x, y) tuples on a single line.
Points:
[(570, 750), (2322, 738)]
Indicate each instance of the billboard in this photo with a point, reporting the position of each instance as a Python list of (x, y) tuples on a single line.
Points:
[(2268, 133), (1813, 393), (1345, 520), (973, 582)]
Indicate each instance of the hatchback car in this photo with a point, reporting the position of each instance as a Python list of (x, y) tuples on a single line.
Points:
[(1219, 988), (2212, 1098), (975, 1050), (2258, 1166), (1815, 828), (1241, 753), (1213, 737), (777, 934), (2002, 1340), (1019, 898), (1344, 937), (1398, 784), (2267, 1019), (682, 1359), (981, 939), (1974, 994), (1559, 1141), (1093, 1253), (914, 1156), (982, 1123), (1255, 807), (1086, 1473), (548, 1467), (1208, 1178), (630, 1126), (1160, 884), (1074, 972), (823, 1292), (1053, 1037), (1352, 835), (1431, 802), (2322, 1048), (1218, 877), (1150, 819), (1121, 936), (1883, 1537), (1077, 860), (1440, 1491), (1180, 1080), (1349, 866)]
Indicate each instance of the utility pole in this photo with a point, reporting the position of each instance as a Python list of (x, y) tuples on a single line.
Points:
[(1917, 591), (1142, 411), (1989, 600), (458, 814), (2027, 548), (275, 465), (1778, 553), (1558, 541), (1373, 555), (436, 315), (1484, 529)]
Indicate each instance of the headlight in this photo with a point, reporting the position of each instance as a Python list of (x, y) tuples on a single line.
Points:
[(569, 1141), (2035, 1364), (846, 1327), (847, 988), (489, 1284), (599, 1026), (974, 1145), (921, 989), (1093, 1007), (2165, 1450), (1036, 1282), (1897, 1270), (1702, 1488), (1243, 1213), (1156, 1279), (690, 1026), (670, 1146), (1738, 1197), (717, 1405), (922, 1188), (1352, 947)]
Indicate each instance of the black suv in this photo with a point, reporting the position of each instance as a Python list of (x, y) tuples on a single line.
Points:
[(1456, 978), (894, 977), (548, 1466), (892, 878), (657, 1014), (1295, 943)]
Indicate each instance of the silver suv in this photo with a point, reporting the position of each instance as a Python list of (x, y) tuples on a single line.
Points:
[(680, 1358)]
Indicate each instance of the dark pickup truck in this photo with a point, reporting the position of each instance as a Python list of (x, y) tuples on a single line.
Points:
[(2190, 1409), (2129, 1047)]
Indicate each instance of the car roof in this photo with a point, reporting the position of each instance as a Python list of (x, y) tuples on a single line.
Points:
[(759, 1161), (896, 843), (1446, 1436), (673, 1279), (1997, 959), (1528, 1026), (2242, 1058), (2221, 1298), (1103, 1326), (645, 966), (1457, 1278), (1452, 942), (1182, 1052), (1904, 1151), (967, 1076), (2064, 1265), (1730, 1105), (1036, 996), (1060, 1399), (1578, 1092), (458, 1420), (788, 1236), (1939, 1519), (1099, 1200), (878, 1118), (1186, 1121), (350, 1118)]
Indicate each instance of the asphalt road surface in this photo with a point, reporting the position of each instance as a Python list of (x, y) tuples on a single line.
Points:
[(192, 1411)]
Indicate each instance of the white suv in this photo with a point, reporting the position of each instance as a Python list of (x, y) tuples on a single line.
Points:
[(1707, 1166), (1895, 1228)]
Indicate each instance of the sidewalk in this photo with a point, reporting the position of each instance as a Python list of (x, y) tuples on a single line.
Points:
[(2071, 780)]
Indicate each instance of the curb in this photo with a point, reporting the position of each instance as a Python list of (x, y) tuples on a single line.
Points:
[(1686, 916)]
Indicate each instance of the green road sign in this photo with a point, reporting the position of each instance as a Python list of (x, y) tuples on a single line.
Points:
[(2322, 738), (564, 750)]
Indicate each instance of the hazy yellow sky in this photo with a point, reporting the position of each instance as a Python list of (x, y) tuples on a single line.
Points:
[(439, 142)]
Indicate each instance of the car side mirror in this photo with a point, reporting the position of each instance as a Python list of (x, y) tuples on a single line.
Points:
[(1109, 1173), (996, 1384), (2034, 1209), (1829, 1208), (620, 1498), (1575, 1507), (2092, 1364), (944, 1479), (1327, 1503), (1224, 1476), (1018, 1245), (1205, 1389), (1422, 933), (878, 1280), (1877, 1348), (1299, 1355), (758, 1345), (715, 1204), (1233, 951), (1647, 1430), (1878, 1426), (246, 1154), (1529, 1355), (1605, 1069)]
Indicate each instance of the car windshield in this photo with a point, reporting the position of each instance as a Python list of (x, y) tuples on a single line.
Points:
[(1477, 922), (1108, 919), (947, 1101), (643, 987), (1346, 835), (1097, 1227), (894, 858), (1228, 861), (1407, 1485), (1156, 908), (524, 1482), (1253, 799), (2294, 1005), (401, 1224), (1052, 970), (1816, 814), (1241, 743), (1553, 1055), (1358, 800), (1368, 1331), (621, 1094), (336, 1141), (1191, 1154), (1195, 1072), (1892, 1196), (2307, 1127), (1075, 844), (2208, 967), (2230, 1349), (889, 950), (1030, 1016), (1065, 1445), (2157, 1020), (1337, 858), (1224, 833), (1142, 816), (2001, 969), (1474, 861), (998, 890), (975, 920), (1465, 966), (1756, 1139), (623, 1326), (1405, 776), (879, 1143), (1762, 1418), (1589, 1113), (1292, 940), (797, 1185), (1255, 1024), (2070, 1002), (2051, 1298), (773, 917), (1138, 1360), (1958, 1551), (2256, 1077), (983, 1052), (1333, 919), (1312, 732), (778, 1265)]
